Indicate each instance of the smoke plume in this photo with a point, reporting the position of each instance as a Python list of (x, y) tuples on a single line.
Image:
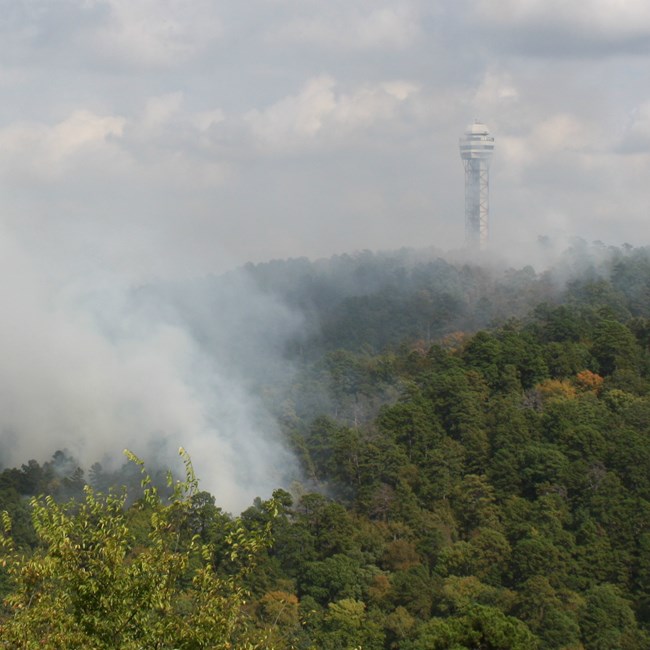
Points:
[(95, 365)]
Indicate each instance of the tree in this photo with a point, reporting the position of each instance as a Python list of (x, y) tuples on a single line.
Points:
[(346, 625), (279, 613), (541, 607), (480, 628), (90, 586), (338, 576), (608, 623), (414, 426), (614, 346)]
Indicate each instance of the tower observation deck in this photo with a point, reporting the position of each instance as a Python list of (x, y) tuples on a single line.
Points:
[(476, 148)]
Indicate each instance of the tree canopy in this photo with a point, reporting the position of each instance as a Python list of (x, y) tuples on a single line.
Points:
[(475, 453)]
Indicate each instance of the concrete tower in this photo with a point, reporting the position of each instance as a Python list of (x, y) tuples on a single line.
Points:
[(476, 148)]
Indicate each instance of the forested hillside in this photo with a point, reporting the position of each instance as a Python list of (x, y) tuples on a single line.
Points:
[(475, 450)]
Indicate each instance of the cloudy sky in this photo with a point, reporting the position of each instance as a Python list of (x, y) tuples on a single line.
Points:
[(165, 137)]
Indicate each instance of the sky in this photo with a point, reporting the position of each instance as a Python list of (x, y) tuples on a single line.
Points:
[(163, 140), (167, 137)]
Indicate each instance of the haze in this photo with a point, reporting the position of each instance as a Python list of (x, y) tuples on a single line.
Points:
[(144, 140)]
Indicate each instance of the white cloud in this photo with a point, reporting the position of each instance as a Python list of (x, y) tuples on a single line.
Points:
[(160, 110), (496, 89), (355, 25), (561, 133), (606, 16), (140, 34), (156, 32), (322, 113), (163, 143), (564, 147), (590, 29), (205, 120), (48, 152), (636, 135)]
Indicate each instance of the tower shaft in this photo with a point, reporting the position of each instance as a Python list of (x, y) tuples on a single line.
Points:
[(476, 147), (477, 202)]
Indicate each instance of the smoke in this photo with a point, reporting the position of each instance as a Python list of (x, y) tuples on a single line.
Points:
[(94, 365)]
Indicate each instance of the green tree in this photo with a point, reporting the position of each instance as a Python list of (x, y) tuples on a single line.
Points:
[(90, 586), (480, 628), (338, 576), (544, 611), (614, 346), (607, 621), (347, 627)]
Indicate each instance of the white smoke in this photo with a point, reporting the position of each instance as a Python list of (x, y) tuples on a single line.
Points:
[(92, 366)]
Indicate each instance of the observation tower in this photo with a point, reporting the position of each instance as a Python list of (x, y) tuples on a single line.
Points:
[(476, 147)]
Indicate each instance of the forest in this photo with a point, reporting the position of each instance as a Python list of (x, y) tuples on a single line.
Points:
[(474, 447)]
